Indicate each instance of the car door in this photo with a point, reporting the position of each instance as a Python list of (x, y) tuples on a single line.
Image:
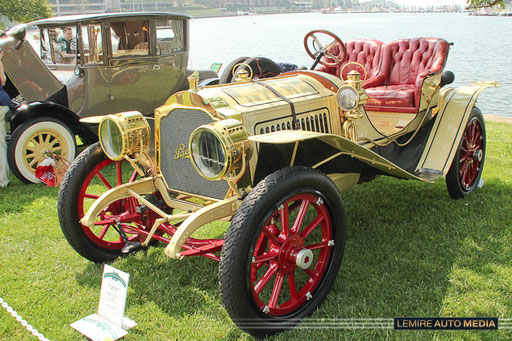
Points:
[(133, 65), (171, 50)]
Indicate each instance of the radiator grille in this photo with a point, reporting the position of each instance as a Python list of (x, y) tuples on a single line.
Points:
[(318, 121), (178, 172)]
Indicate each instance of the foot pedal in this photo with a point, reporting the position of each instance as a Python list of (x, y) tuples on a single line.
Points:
[(428, 173), (130, 247)]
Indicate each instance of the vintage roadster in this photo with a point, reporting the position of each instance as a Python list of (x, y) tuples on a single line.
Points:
[(272, 156), (88, 65)]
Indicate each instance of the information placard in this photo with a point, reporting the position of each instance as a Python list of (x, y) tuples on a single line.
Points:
[(110, 322), (114, 288)]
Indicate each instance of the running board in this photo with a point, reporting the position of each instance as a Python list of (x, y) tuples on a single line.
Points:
[(429, 174)]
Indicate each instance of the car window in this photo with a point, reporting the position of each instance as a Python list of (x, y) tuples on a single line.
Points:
[(59, 45), (93, 48), (129, 38), (45, 50), (169, 36)]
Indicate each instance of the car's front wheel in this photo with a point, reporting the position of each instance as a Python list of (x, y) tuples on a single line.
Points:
[(88, 177), (32, 140), (282, 251)]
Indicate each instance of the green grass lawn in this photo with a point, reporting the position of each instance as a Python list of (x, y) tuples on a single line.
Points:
[(411, 251)]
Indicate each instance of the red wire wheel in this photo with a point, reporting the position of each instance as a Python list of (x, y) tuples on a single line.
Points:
[(282, 251), (90, 175), (467, 166)]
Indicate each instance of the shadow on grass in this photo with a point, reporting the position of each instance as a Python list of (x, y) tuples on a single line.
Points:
[(406, 242), (177, 287)]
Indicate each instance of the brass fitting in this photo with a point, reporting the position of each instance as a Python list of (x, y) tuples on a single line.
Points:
[(193, 81)]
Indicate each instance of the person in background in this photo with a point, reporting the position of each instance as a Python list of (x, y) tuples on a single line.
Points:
[(68, 45), (5, 104)]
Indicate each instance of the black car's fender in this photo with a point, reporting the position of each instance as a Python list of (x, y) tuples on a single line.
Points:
[(28, 111)]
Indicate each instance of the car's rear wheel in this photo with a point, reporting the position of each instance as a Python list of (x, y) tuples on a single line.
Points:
[(90, 175), (282, 251), (31, 140), (467, 166)]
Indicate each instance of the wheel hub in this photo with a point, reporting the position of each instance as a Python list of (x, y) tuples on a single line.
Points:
[(478, 155), (304, 259), (292, 254)]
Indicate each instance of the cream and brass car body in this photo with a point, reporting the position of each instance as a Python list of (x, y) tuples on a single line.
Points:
[(341, 142)]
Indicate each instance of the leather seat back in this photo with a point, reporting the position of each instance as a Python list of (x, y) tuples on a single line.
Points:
[(404, 61), (364, 51)]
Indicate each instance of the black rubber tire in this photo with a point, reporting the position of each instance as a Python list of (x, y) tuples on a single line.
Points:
[(453, 181), (261, 67), (241, 238), (68, 206), (227, 74), (20, 133)]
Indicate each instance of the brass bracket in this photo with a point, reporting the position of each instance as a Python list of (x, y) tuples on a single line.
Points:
[(216, 211)]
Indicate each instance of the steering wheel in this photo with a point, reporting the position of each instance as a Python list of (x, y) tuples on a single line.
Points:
[(324, 50), (356, 64), (243, 67)]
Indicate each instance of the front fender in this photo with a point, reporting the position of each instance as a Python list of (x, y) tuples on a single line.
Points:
[(28, 111), (450, 122)]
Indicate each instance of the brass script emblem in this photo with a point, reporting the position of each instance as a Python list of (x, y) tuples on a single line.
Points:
[(181, 152)]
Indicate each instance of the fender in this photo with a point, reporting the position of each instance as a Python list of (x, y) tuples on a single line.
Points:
[(28, 111), (136, 189), (448, 130), (344, 147)]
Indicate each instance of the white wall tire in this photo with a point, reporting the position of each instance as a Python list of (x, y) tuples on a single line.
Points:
[(31, 139)]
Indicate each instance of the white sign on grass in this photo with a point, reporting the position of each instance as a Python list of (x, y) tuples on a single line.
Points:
[(114, 288), (109, 323)]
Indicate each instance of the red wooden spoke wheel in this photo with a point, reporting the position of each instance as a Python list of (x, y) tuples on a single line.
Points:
[(90, 175), (123, 210), (282, 251), (470, 155), (467, 166)]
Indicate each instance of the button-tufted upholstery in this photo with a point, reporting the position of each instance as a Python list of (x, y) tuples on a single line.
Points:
[(365, 52), (404, 65)]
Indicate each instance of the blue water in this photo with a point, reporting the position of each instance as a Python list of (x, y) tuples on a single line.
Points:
[(482, 47)]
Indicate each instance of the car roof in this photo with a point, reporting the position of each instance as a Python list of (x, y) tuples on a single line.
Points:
[(72, 19)]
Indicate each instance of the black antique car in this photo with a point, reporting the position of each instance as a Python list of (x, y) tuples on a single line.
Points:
[(88, 65)]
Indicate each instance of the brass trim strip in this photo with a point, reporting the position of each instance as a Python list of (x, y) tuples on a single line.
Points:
[(295, 147), (329, 159)]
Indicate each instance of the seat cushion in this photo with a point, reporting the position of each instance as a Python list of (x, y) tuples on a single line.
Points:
[(401, 96)]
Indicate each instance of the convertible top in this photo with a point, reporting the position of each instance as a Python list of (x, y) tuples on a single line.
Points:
[(72, 19)]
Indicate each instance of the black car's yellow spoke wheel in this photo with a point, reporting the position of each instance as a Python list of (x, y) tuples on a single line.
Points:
[(32, 140)]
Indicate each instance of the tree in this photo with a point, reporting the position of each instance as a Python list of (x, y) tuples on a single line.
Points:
[(485, 3), (25, 10)]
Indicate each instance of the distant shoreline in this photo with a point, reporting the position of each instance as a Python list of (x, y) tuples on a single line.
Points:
[(496, 118)]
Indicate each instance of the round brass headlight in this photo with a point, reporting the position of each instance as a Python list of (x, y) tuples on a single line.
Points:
[(216, 149), (347, 98), (123, 134)]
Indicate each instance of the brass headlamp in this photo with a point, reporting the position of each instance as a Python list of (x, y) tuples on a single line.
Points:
[(219, 149), (124, 134), (352, 95)]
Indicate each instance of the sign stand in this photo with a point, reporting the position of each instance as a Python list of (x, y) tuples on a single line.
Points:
[(109, 323)]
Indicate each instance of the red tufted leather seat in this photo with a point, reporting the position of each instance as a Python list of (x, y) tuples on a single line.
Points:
[(365, 52), (404, 65)]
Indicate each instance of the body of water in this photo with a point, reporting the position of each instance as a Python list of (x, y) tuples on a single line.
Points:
[(482, 47)]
